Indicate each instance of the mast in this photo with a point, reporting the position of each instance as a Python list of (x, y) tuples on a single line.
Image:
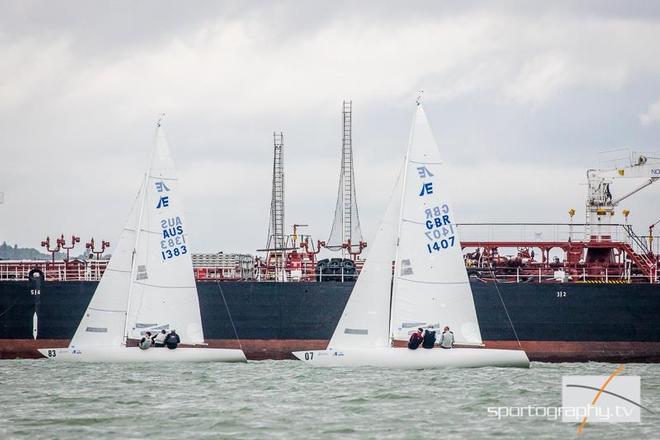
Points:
[(403, 194), (138, 230), (276, 245), (346, 234)]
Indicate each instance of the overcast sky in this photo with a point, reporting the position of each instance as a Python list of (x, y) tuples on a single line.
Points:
[(520, 95)]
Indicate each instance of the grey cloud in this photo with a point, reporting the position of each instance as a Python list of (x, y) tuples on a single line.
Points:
[(514, 91)]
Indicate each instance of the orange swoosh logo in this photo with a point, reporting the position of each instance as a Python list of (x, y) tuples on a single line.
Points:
[(600, 391)]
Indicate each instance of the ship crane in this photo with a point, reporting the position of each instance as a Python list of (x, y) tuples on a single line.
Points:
[(600, 203), (651, 234)]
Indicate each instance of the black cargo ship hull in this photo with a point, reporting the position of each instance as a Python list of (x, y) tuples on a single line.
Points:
[(554, 322)]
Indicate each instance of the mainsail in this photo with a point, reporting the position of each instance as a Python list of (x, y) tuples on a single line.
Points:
[(431, 285), (149, 283)]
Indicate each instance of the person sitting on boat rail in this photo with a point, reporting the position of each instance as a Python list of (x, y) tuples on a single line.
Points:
[(172, 340), (159, 339), (447, 338), (415, 339), (429, 338), (145, 342)]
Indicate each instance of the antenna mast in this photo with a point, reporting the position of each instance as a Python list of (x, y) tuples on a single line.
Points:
[(346, 233), (276, 239)]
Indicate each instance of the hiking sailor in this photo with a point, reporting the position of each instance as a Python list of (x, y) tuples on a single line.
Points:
[(429, 338), (415, 339), (145, 342), (447, 338), (172, 340), (159, 339)]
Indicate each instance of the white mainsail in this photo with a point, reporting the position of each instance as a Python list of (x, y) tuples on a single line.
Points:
[(163, 294), (431, 285), (365, 320)]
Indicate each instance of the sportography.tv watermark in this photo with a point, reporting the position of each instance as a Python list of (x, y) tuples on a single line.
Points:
[(587, 399)]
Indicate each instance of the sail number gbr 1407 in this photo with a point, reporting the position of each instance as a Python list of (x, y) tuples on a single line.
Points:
[(439, 229)]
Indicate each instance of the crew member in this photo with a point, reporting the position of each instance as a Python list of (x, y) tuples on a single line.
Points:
[(429, 338), (159, 339), (145, 342), (415, 339), (172, 340), (447, 338)]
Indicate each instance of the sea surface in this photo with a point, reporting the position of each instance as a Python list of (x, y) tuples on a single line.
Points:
[(288, 399)]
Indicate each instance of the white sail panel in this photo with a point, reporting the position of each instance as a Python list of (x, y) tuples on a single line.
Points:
[(164, 294), (431, 285), (104, 320), (365, 320)]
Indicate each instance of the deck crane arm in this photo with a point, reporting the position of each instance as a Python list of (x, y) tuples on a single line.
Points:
[(640, 166)]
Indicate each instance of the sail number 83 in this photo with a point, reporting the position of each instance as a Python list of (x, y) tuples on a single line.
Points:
[(440, 244)]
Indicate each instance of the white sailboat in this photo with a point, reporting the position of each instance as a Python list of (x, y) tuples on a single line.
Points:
[(429, 286), (149, 283)]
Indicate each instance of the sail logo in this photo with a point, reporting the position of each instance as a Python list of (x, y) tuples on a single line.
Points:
[(163, 202), (160, 186), (424, 172), (427, 188), (173, 243)]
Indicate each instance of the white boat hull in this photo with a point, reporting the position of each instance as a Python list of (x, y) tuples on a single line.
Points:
[(135, 354), (404, 358)]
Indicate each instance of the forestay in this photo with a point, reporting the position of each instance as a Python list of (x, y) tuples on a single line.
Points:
[(431, 286)]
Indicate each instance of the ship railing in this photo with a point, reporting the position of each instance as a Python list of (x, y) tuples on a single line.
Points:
[(76, 270), (559, 275), (543, 232), (305, 273)]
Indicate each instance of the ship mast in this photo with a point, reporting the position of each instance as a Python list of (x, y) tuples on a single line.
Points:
[(346, 234), (276, 243)]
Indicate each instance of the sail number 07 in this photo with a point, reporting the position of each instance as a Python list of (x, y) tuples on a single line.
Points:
[(441, 244)]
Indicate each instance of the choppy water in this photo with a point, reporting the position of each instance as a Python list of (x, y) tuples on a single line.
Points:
[(288, 399)]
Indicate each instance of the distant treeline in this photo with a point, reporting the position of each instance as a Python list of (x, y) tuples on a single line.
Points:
[(9, 252)]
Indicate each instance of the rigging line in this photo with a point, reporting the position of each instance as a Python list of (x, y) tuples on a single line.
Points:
[(515, 333), (231, 320)]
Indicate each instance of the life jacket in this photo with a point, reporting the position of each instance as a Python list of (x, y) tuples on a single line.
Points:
[(429, 339), (447, 339), (172, 340), (145, 343), (415, 340)]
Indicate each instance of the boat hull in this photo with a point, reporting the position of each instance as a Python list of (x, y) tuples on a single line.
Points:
[(135, 354), (403, 358)]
